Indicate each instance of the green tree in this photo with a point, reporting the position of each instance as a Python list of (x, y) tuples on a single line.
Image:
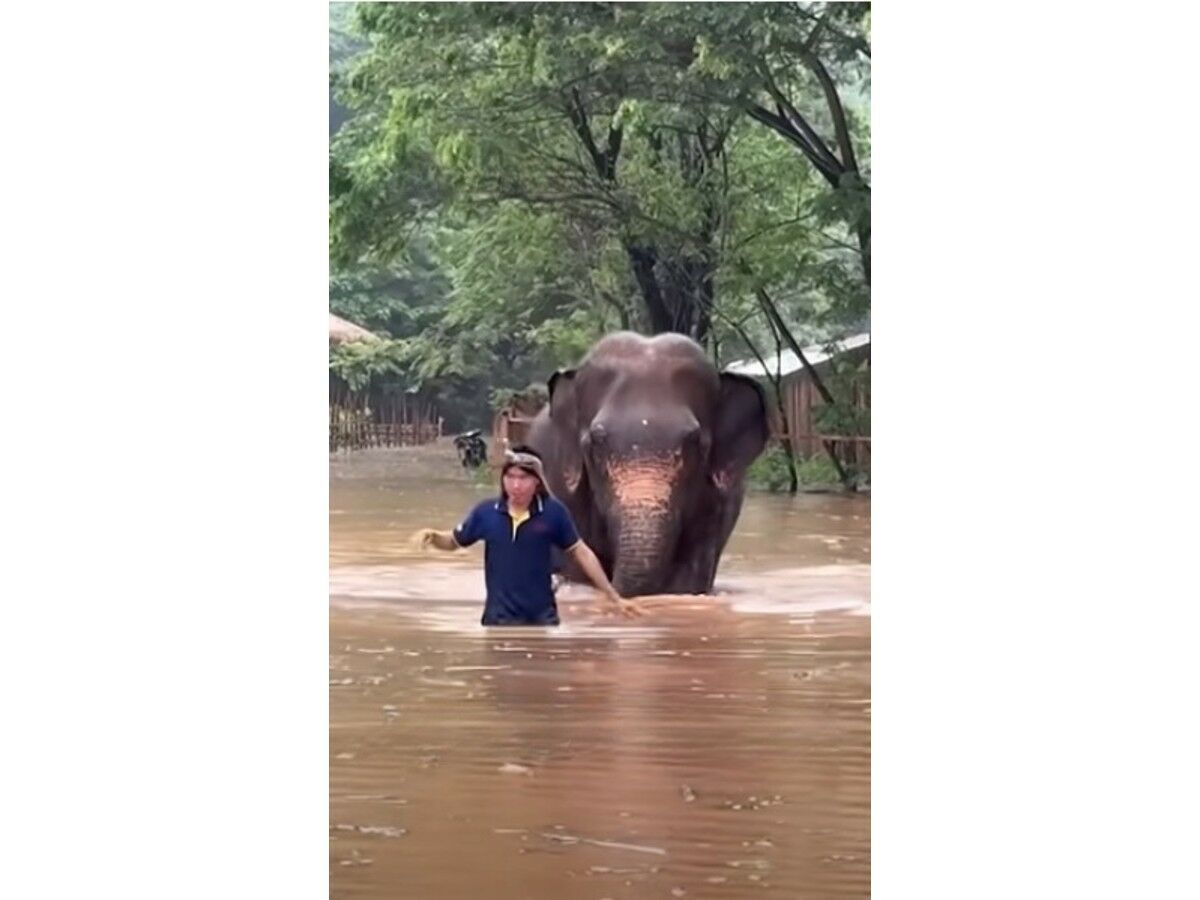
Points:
[(537, 174)]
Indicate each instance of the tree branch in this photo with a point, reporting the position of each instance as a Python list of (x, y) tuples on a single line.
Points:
[(853, 41), (614, 148), (583, 128), (772, 313), (836, 111), (580, 196), (801, 124), (604, 161), (783, 127), (755, 235)]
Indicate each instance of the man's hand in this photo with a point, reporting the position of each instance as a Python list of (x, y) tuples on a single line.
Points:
[(627, 608), (431, 537), (586, 559), (619, 606)]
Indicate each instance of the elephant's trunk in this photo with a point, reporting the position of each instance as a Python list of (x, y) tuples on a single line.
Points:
[(644, 551), (643, 523)]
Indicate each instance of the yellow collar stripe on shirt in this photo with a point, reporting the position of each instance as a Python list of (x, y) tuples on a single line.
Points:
[(517, 519)]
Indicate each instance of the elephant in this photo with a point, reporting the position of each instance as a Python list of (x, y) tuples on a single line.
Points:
[(648, 447)]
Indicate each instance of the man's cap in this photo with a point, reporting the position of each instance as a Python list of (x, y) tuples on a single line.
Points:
[(526, 461)]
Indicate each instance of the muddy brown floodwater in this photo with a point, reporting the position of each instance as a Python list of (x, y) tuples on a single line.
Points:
[(718, 747)]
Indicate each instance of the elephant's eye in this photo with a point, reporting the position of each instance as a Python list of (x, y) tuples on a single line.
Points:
[(597, 435)]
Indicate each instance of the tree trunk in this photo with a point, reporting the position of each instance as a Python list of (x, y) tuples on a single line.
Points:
[(678, 294), (642, 260), (793, 478), (864, 250), (785, 439)]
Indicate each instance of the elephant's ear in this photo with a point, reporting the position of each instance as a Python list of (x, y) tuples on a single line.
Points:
[(564, 418), (741, 429)]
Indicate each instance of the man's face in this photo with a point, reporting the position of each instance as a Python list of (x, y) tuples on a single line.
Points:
[(520, 485)]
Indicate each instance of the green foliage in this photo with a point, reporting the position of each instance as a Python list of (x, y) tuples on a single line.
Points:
[(770, 471), (817, 470), (533, 394), (503, 165), (344, 41), (359, 362), (844, 380), (842, 418)]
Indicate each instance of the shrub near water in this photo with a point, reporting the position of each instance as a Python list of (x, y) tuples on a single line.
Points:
[(770, 471), (817, 469)]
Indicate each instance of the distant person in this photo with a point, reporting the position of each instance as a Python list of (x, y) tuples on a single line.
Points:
[(519, 528)]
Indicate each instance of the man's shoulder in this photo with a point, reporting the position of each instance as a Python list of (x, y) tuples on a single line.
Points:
[(484, 507), (557, 507)]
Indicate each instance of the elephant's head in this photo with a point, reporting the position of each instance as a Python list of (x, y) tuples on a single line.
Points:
[(654, 444)]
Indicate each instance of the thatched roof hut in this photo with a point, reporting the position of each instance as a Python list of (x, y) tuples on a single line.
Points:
[(343, 332)]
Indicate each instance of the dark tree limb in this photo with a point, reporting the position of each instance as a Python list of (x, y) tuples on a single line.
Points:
[(856, 43), (836, 110), (605, 161), (772, 313), (614, 149), (642, 260), (780, 124), (788, 110), (622, 312), (583, 128)]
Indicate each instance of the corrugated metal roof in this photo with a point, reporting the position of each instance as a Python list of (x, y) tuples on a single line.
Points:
[(788, 361)]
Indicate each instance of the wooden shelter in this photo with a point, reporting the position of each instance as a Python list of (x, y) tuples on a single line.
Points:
[(512, 423), (802, 400)]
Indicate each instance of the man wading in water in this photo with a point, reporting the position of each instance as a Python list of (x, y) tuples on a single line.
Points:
[(519, 529)]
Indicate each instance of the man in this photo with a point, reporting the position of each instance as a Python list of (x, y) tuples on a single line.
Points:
[(519, 529)]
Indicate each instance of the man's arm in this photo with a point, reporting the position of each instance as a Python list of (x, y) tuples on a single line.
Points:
[(467, 533), (586, 560)]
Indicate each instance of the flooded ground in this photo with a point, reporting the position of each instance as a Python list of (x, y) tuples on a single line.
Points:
[(718, 747)]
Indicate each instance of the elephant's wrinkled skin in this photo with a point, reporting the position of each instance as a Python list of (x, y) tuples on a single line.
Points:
[(648, 446)]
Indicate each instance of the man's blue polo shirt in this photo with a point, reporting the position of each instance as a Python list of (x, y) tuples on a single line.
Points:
[(517, 567)]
